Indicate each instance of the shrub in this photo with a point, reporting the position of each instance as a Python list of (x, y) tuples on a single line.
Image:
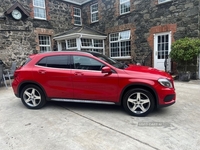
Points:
[(185, 52)]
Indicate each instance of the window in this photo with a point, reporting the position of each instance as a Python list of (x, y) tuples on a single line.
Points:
[(55, 62), (77, 16), (86, 63), (71, 43), (124, 6), (94, 13), (163, 46), (163, 1), (44, 43), (120, 44), (39, 9), (92, 45)]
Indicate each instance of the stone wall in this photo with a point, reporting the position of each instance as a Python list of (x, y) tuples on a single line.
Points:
[(20, 38), (147, 17)]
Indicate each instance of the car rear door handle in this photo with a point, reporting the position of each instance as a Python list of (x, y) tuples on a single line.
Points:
[(42, 71), (78, 73)]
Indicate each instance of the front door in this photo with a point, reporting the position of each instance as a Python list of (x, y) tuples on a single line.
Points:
[(162, 48), (89, 83)]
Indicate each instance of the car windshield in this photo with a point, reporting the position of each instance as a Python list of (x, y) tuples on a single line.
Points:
[(110, 61)]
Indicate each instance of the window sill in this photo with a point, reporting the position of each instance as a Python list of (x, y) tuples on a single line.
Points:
[(125, 13), (122, 58), (78, 25), (40, 19), (94, 22), (164, 3)]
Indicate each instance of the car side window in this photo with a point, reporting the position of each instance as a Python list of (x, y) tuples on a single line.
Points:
[(55, 62), (86, 63)]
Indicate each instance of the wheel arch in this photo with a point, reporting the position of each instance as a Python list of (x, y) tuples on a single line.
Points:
[(142, 86), (22, 85)]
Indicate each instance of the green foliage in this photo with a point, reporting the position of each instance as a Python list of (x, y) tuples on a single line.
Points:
[(184, 51)]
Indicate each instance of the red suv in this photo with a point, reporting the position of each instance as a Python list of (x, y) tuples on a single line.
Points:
[(78, 76)]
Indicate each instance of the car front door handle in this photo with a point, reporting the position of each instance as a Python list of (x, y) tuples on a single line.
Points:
[(42, 71), (78, 73)]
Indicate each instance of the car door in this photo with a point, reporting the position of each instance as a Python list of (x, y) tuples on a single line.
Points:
[(53, 73), (90, 83)]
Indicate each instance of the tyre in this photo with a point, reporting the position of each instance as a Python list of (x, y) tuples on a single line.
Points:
[(138, 102), (33, 97)]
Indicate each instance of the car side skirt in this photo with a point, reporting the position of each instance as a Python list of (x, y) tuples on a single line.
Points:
[(82, 101)]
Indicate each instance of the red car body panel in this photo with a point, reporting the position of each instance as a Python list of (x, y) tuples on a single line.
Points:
[(91, 85)]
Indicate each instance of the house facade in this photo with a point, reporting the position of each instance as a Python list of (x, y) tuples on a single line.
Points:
[(127, 30)]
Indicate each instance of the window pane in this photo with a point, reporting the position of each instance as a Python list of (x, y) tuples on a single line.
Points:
[(98, 43), (71, 43), (39, 3), (125, 48), (114, 37), (94, 8), (95, 17), (163, 46), (125, 35), (123, 1), (39, 12), (58, 62), (86, 42), (44, 43), (77, 12), (125, 7), (77, 20), (114, 49)]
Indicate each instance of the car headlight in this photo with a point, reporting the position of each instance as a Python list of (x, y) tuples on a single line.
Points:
[(165, 83)]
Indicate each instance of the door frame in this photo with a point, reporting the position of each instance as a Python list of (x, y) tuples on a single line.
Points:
[(155, 47)]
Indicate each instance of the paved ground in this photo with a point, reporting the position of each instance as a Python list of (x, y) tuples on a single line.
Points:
[(69, 126)]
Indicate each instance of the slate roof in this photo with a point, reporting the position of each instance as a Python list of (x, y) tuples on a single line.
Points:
[(81, 30)]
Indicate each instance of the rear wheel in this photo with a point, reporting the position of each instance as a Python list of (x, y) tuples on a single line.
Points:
[(33, 97), (138, 102)]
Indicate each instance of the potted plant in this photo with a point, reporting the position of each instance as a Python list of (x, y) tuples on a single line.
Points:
[(185, 52)]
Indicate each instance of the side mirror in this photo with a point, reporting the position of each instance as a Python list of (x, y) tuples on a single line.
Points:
[(106, 69)]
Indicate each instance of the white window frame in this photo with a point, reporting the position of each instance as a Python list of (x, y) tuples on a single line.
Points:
[(122, 2), (92, 47), (119, 39), (94, 12), (77, 16), (163, 1), (41, 8), (70, 47), (48, 46)]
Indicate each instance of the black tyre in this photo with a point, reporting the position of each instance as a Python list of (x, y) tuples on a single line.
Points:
[(33, 97), (138, 102)]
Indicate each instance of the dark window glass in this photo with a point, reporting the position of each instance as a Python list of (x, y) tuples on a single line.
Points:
[(55, 62), (42, 62), (86, 63)]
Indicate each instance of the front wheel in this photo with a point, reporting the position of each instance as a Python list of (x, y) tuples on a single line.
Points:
[(33, 97), (138, 102)]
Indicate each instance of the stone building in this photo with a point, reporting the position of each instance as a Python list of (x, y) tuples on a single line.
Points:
[(126, 30)]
